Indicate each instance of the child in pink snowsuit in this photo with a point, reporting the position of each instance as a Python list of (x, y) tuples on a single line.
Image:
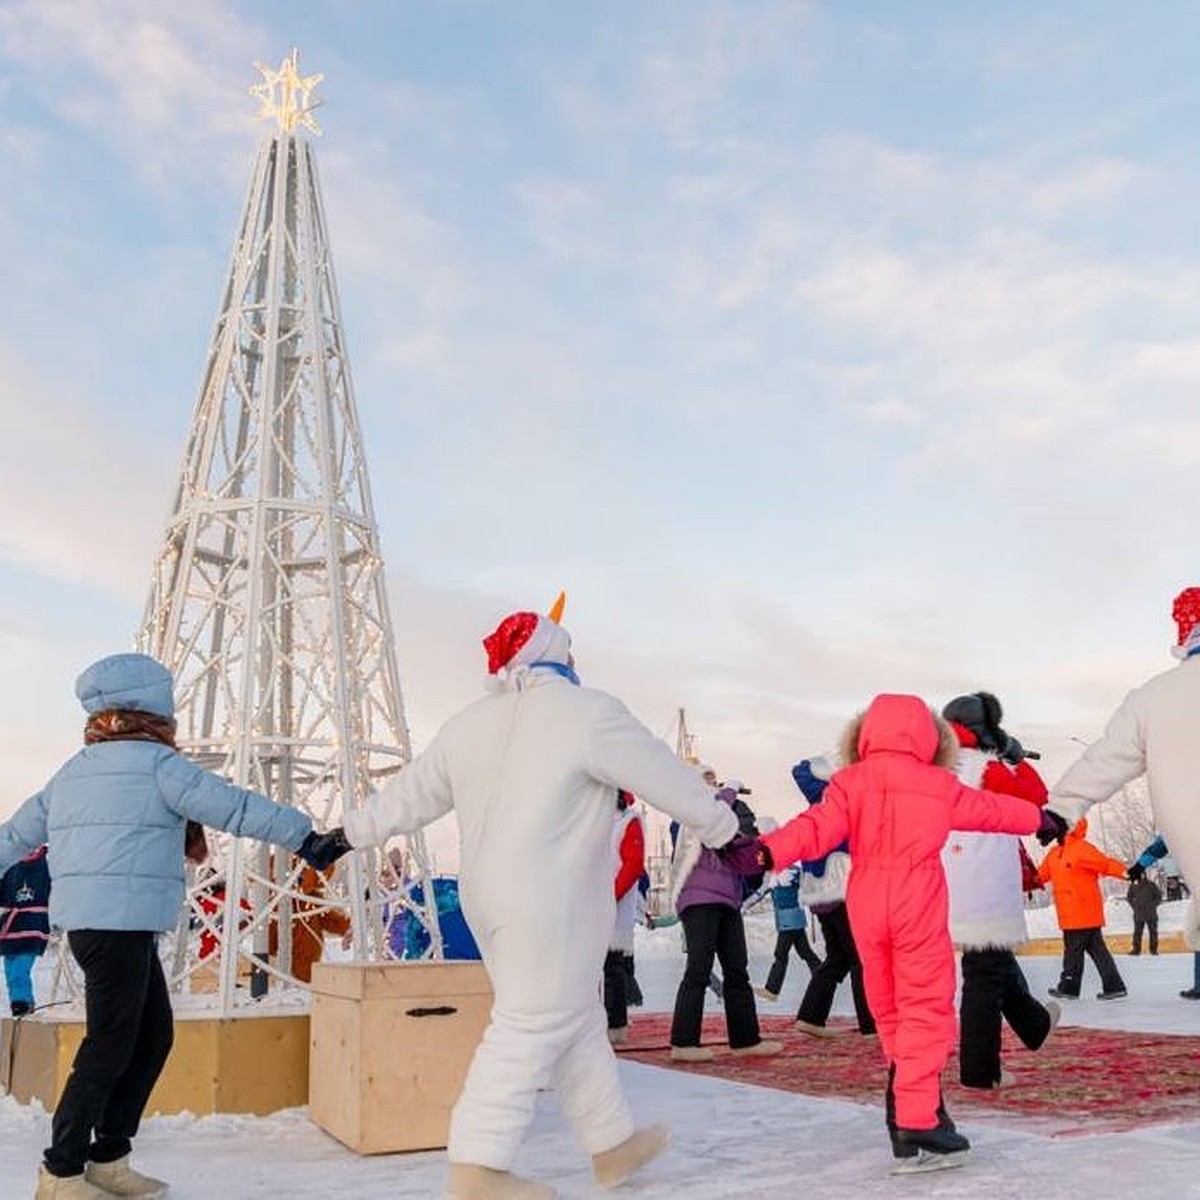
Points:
[(896, 803)]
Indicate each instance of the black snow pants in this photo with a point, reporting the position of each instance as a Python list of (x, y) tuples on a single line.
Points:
[(129, 1034)]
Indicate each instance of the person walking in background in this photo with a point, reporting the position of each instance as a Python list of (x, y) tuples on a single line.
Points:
[(823, 891), (896, 803), (707, 893), (984, 873), (1144, 896), (629, 847), (1153, 853), (1073, 871), (24, 926), (115, 818), (532, 770), (791, 925)]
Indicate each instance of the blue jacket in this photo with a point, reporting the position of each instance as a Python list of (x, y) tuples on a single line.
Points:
[(24, 907), (1153, 852), (785, 896), (813, 787), (114, 816)]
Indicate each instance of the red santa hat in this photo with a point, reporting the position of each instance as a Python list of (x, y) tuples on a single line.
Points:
[(1186, 612), (524, 638)]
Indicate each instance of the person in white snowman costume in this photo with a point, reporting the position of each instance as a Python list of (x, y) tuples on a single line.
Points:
[(532, 769), (1153, 732)]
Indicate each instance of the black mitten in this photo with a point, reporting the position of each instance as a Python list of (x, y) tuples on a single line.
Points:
[(321, 850)]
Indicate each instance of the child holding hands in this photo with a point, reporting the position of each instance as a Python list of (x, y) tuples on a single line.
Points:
[(896, 802)]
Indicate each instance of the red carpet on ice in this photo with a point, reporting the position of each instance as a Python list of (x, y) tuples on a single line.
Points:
[(1082, 1081)]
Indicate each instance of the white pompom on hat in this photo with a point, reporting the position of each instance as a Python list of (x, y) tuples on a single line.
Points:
[(821, 766)]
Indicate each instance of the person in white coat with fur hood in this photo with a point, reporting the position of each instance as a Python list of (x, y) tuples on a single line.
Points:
[(1153, 733), (532, 771), (987, 901)]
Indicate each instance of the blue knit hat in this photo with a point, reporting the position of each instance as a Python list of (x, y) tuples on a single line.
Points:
[(129, 681)]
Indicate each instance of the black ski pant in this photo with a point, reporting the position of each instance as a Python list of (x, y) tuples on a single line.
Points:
[(994, 989), (841, 959), (128, 1037), (1077, 943), (714, 930), (1150, 925), (636, 998), (787, 940), (616, 989)]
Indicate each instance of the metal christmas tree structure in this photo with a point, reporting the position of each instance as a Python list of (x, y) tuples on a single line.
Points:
[(268, 599)]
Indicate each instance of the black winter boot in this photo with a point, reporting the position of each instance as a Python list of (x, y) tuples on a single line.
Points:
[(899, 1150), (933, 1141)]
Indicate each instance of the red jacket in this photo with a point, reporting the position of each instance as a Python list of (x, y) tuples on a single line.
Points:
[(632, 852)]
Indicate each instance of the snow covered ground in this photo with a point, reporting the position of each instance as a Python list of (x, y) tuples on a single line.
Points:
[(730, 1140)]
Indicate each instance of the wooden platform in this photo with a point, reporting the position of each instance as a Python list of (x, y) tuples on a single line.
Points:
[(253, 1064), (1118, 943)]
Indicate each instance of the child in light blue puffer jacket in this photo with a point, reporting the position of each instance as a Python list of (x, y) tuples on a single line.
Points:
[(114, 816)]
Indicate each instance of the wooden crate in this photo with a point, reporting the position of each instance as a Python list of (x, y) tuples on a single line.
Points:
[(246, 1064), (390, 1047)]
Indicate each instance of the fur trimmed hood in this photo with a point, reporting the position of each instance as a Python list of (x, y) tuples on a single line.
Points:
[(900, 724)]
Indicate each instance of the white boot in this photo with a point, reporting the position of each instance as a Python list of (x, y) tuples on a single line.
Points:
[(613, 1167), (67, 1187), (120, 1179), (471, 1182)]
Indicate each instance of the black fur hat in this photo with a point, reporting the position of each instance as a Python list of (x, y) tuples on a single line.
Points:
[(981, 713)]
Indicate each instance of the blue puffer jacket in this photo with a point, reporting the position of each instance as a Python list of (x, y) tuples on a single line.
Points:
[(114, 814)]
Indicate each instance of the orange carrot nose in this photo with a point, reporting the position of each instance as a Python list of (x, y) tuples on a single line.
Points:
[(556, 609)]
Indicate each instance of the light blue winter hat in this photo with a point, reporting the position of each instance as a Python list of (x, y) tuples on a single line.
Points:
[(133, 681)]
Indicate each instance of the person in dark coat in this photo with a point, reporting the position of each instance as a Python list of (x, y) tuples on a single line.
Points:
[(823, 890), (1144, 896), (707, 893), (24, 926)]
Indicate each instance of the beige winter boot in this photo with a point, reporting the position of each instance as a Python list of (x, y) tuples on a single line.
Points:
[(614, 1166), (692, 1054), (67, 1187), (758, 1050), (120, 1179), (471, 1182)]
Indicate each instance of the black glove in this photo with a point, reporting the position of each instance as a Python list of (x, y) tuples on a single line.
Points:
[(321, 850), (1052, 829), (1010, 749), (1135, 872)]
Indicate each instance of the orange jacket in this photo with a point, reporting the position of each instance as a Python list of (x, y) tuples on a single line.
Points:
[(1073, 870)]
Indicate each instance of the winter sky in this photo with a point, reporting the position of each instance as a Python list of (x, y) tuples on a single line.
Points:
[(817, 349)]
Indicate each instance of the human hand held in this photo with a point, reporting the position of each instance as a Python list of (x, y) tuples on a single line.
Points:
[(1135, 872), (1011, 751), (1052, 829), (321, 850), (743, 854)]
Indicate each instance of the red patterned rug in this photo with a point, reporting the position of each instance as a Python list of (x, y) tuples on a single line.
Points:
[(1083, 1081)]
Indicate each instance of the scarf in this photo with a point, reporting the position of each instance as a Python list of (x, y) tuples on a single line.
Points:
[(131, 725)]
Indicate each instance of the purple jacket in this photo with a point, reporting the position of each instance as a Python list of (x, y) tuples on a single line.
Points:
[(712, 880)]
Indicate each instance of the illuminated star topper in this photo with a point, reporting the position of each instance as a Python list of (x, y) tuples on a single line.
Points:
[(284, 95)]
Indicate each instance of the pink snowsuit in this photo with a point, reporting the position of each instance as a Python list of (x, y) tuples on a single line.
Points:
[(897, 808)]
